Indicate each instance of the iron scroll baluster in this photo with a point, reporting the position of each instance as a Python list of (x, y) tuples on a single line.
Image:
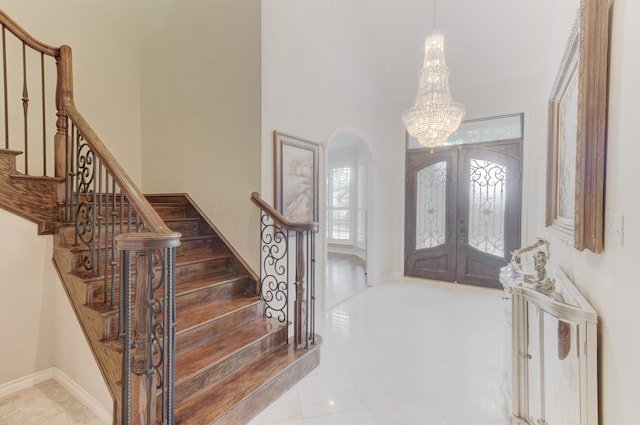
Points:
[(287, 275)]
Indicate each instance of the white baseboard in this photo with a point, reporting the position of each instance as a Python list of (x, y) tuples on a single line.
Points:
[(26, 382), (60, 377), (83, 396)]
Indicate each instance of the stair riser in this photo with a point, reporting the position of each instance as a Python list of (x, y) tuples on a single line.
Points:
[(217, 326), (207, 246), (201, 270), (216, 293), (185, 228), (225, 367), (198, 247), (169, 211)]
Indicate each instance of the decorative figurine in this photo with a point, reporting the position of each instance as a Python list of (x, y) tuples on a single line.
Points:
[(540, 280)]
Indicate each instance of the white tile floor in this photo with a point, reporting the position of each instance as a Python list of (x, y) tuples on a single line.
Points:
[(411, 352)]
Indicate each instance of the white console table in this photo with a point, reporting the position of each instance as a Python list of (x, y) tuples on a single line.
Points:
[(553, 361)]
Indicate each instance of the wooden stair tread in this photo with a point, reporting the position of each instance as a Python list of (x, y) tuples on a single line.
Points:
[(209, 352), (216, 308), (183, 260), (187, 288), (211, 404)]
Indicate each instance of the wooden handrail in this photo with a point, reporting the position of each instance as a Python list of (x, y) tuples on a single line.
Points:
[(138, 201), (27, 38), (279, 218)]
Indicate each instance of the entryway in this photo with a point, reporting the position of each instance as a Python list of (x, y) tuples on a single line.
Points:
[(348, 158), (463, 206)]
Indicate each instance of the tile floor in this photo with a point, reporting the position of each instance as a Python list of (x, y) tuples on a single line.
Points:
[(346, 277), (411, 352), (45, 403)]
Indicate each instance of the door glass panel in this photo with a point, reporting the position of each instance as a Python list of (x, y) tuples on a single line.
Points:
[(487, 203), (431, 196)]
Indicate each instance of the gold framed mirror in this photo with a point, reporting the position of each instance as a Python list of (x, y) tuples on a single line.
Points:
[(577, 132)]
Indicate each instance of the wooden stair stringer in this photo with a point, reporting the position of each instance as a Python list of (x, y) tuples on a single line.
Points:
[(108, 361)]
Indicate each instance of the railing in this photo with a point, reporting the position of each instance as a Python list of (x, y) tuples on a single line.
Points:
[(280, 265), (109, 214)]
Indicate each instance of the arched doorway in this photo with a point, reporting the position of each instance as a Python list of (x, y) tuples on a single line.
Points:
[(346, 184)]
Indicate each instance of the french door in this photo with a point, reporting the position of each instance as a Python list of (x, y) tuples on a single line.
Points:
[(462, 212)]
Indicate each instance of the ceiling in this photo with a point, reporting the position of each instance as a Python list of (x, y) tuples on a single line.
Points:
[(485, 41)]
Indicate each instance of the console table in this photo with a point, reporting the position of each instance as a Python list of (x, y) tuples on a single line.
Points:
[(552, 366)]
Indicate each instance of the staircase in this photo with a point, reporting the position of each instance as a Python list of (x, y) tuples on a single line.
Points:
[(230, 361), (218, 350)]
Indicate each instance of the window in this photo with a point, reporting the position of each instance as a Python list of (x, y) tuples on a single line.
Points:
[(340, 200)]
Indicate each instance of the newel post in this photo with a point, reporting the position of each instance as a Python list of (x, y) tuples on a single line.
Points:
[(64, 94), (149, 326)]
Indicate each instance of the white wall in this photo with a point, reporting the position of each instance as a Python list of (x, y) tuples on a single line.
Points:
[(26, 308), (200, 77), (610, 280), (39, 320), (321, 75)]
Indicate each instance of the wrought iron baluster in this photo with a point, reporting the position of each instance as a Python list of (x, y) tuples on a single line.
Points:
[(121, 211), (125, 334), (78, 178), (310, 286), (148, 369), (44, 118), (68, 180), (25, 108), (6, 94), (103, 223), (114, 262), (170, 325)]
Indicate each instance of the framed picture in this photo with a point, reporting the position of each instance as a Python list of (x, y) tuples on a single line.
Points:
[(296, 178), (577, 132)]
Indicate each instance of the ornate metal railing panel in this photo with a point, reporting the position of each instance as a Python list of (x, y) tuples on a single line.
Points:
[(97, 206), (287, 272), (274, 260), (148, 333)]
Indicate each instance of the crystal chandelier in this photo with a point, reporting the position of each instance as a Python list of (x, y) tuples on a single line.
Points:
[(435, 115)]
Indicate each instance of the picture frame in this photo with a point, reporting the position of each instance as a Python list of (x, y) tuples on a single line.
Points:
[(576, 142), (296, 178)]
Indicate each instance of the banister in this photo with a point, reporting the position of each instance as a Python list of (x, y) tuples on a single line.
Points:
[(109, 213), (27, 38), (149, 215), (280, 219)]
